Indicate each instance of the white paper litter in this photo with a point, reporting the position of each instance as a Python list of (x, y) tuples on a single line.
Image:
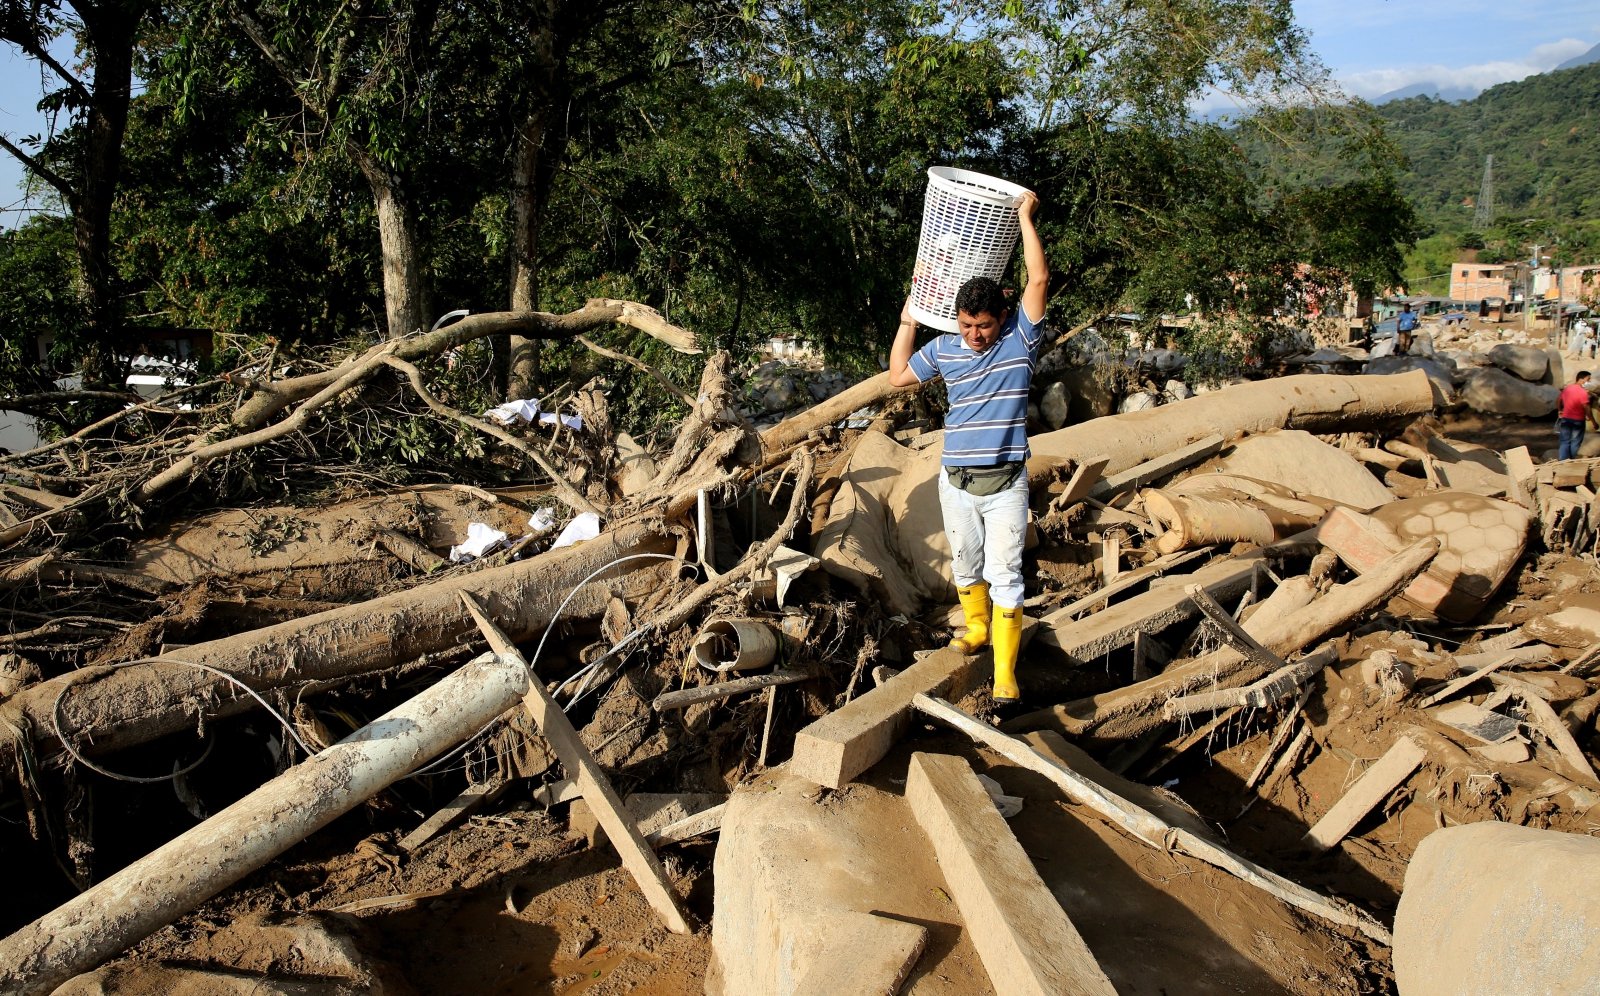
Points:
[(1009, 805), (572, 422), (542, 521), (481, 538), (584, 526), (514, 411)]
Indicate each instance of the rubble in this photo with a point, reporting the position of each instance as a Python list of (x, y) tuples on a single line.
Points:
[(1280, 634)]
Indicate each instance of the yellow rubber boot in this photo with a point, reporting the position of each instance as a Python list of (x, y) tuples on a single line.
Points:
[(1007, 637), (975, 605)]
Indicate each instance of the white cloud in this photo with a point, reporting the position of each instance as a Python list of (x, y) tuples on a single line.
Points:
[(1375, 82)]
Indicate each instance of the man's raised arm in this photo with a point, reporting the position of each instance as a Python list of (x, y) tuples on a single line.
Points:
[(905, 343), (1033, 295)]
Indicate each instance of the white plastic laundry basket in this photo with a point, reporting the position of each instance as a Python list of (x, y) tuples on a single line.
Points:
[(969, 229)]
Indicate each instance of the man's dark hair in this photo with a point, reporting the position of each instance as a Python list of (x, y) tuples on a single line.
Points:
[(1581, 374), (979, 295)]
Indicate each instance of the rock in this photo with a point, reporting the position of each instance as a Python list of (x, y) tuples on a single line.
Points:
[(1138, 402), (1493, 907), (1177, 390), (1495, 392), (17, 673), (315, 954), (1089, 393), (1054, 406), (1306, 465), (1527, 362)]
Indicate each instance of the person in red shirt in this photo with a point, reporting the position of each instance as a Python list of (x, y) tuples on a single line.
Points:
[(1574, 408)]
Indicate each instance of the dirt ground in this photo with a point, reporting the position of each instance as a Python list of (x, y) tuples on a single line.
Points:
[(508, 903)]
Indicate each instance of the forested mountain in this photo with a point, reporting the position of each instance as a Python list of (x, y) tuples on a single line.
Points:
[(1544, 134)]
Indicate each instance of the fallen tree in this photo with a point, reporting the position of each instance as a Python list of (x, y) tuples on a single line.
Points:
[(145, 472), (110, 708)]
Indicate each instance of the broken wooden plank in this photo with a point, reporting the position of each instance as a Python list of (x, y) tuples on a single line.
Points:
[(1280, 737), (1129, 711), (1233, 634), (1154, 610), (1452, 688), (862, 954), (1146, 827), (1544, 719), (1258, 694), (1083, 481), (452, 813), (1023, 936), (1374, 786), (554, 793), (1156, 468), (695, 825), (685, 697), (593, 784), (1125, 582)]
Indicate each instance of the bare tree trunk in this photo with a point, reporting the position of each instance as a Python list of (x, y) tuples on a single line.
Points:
[(527, 213), (402, 258)]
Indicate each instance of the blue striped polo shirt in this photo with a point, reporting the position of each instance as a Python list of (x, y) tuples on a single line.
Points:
[(988, 392)]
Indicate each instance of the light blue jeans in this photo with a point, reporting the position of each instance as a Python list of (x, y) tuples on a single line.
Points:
[(986, 537)]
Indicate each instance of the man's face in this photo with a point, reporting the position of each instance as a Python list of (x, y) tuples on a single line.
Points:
[(980, 331)]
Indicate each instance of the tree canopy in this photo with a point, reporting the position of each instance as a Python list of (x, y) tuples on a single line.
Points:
[(316, 171)]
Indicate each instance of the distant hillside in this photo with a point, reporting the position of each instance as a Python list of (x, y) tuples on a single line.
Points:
[(1544, 134), (1593, 55), (1429, 89)]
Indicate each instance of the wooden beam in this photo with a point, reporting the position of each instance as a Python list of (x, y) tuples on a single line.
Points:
[(1023, 936), (851, 739), (1157, 468), (593, 784), (1374, 786), (1146, 827), (453, 812)]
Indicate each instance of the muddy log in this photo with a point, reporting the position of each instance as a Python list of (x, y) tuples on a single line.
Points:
[(186, 871), (109, 708), (1313, 402)]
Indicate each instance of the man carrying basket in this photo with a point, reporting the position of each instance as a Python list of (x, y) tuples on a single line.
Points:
[(987, 368)]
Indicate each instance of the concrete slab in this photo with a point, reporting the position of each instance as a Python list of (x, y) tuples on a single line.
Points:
[(865, 954), (848, 741)]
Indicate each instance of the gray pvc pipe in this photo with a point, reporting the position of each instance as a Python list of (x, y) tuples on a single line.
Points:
[(175, 878)]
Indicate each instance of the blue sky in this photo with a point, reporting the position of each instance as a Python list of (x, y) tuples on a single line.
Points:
[(1370, 46)]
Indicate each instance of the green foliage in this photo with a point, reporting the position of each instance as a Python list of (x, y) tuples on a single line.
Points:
[(39, 296)]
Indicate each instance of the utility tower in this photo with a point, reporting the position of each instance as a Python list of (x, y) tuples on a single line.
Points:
[(1483, 216)]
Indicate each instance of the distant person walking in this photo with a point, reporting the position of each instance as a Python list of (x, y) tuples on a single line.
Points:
[(1582, 338), (1405, 323), (1574, 409)]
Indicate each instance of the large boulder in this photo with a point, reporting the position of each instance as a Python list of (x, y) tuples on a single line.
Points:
[(1495, 392), (1439, 374), (1493, 907), (1090, 392), (1528, 362)]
